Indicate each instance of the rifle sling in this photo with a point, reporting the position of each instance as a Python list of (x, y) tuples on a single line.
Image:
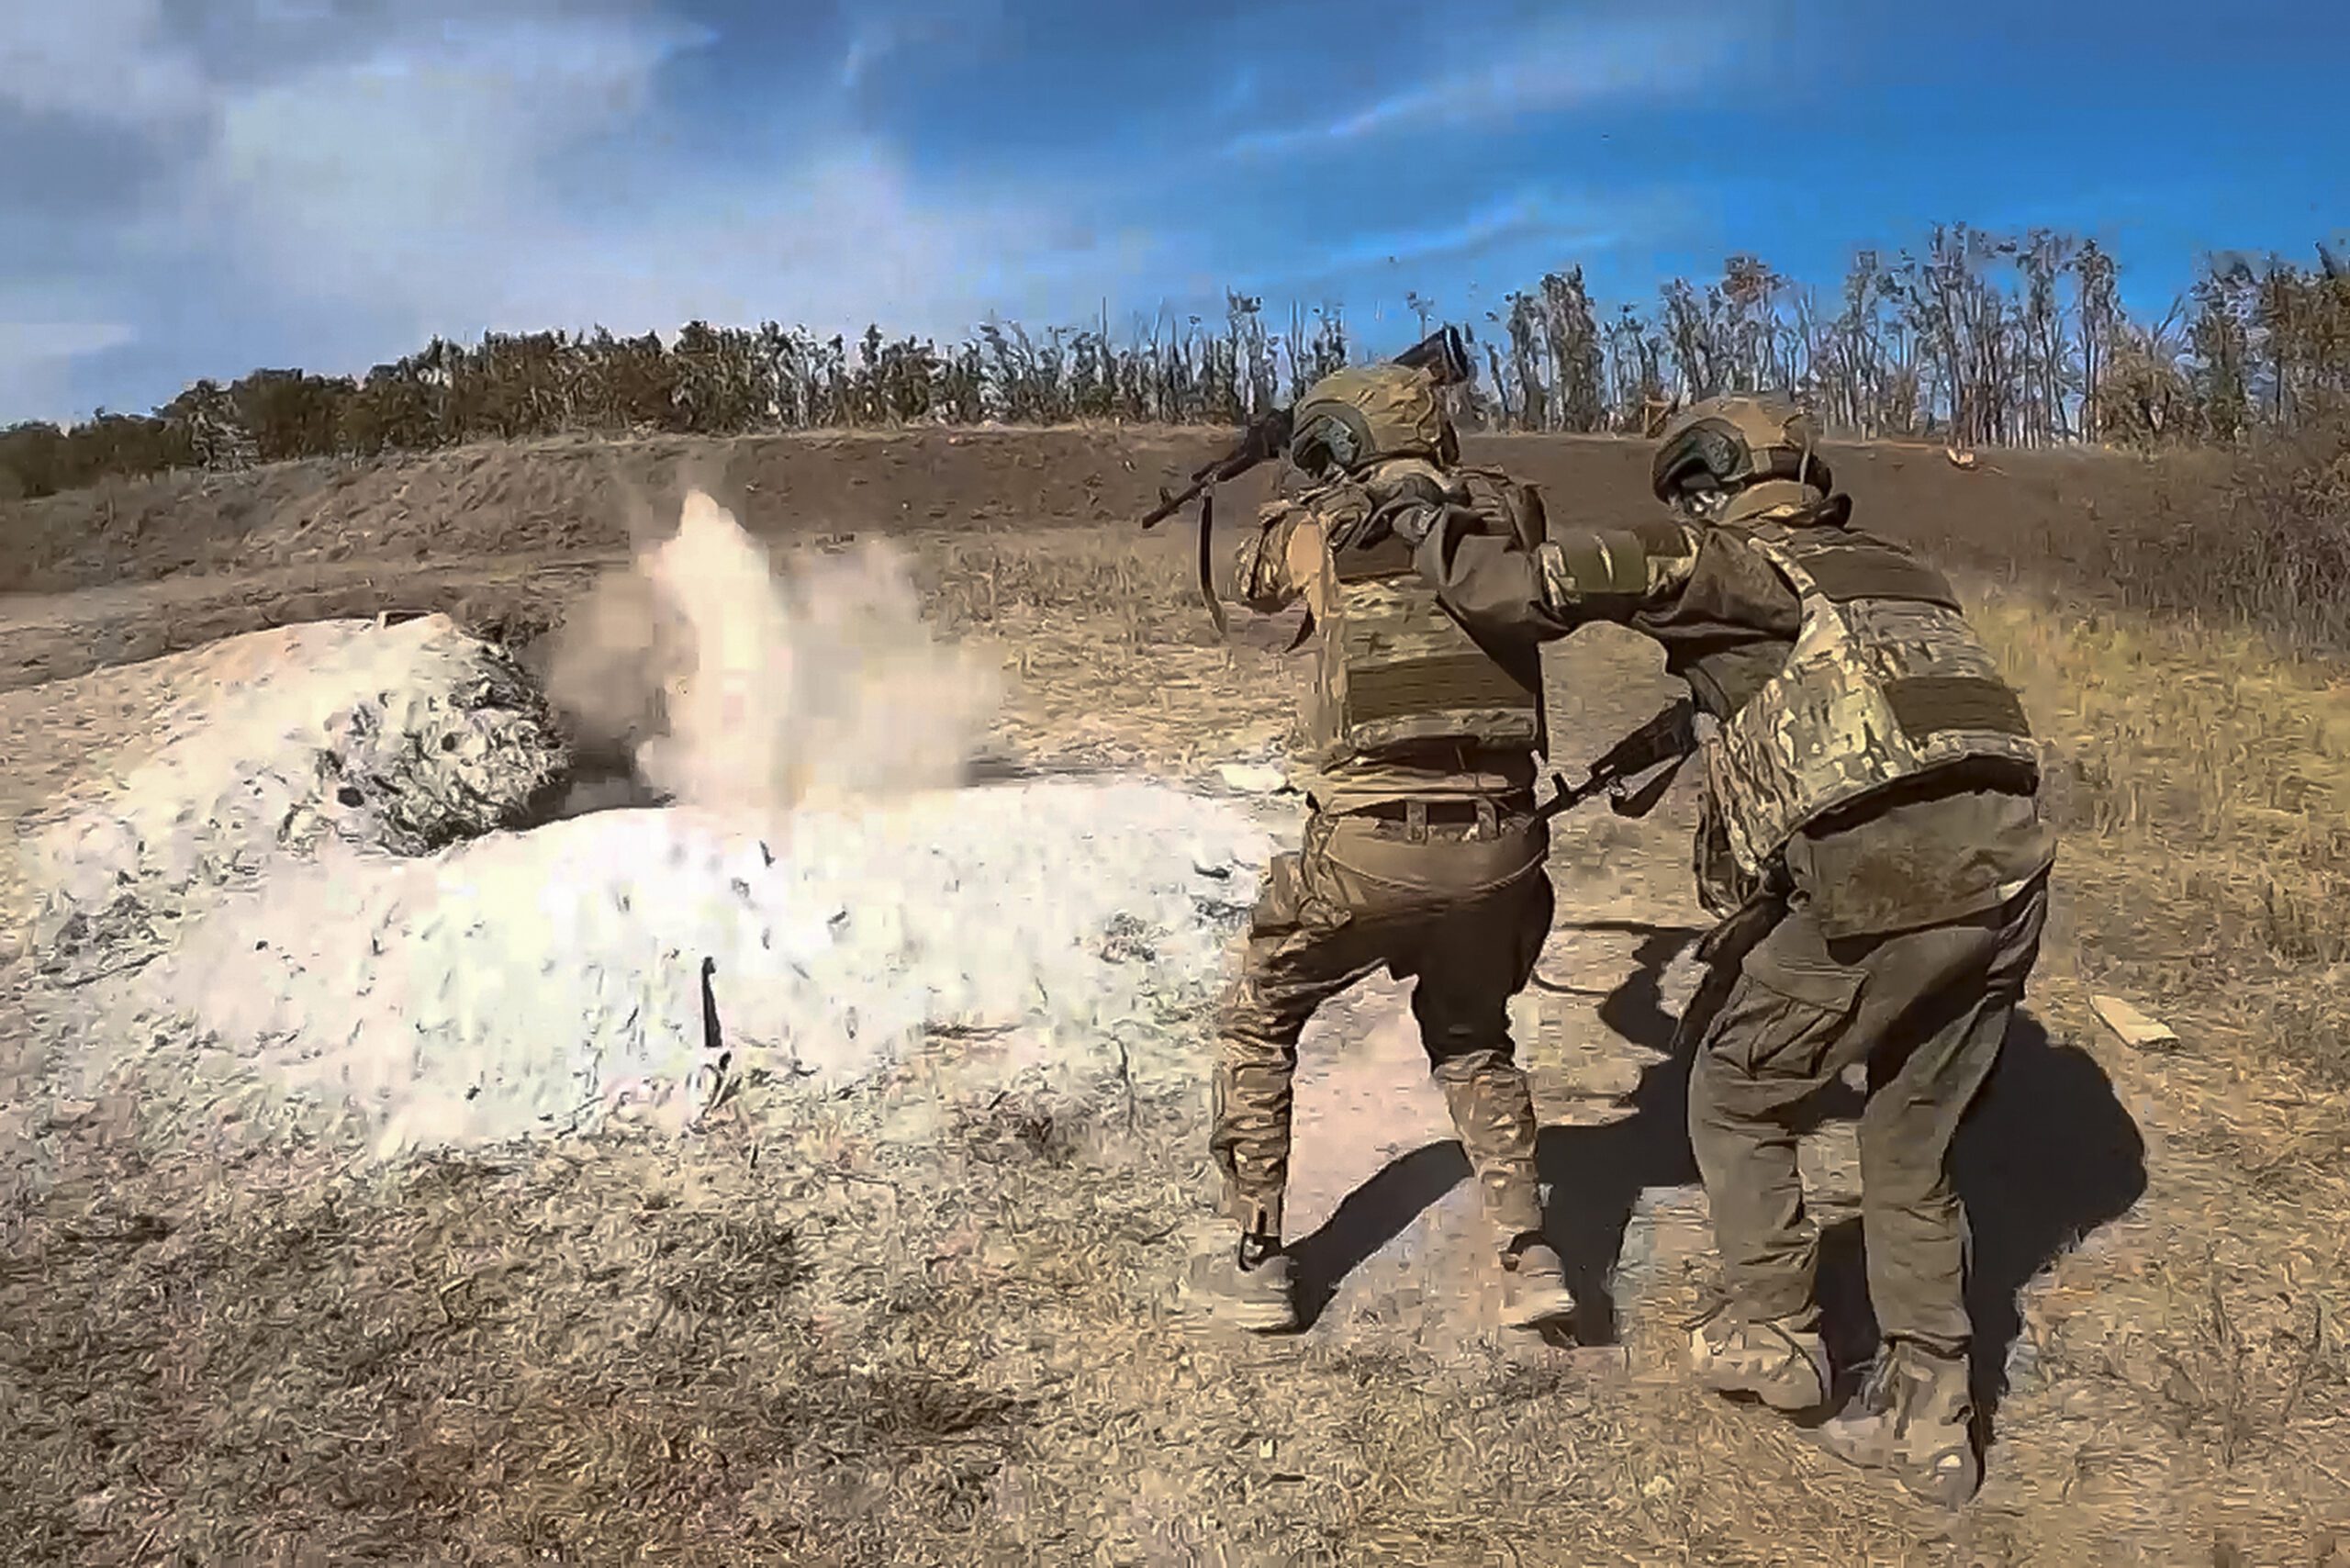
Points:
[(1207, 577)]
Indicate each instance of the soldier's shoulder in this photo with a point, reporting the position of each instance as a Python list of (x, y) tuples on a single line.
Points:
[(1872, 538)]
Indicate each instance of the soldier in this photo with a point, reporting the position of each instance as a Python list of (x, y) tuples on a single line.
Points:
[(1872, 838), (1422, 854)]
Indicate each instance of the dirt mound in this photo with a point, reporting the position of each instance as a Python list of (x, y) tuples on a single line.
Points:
[(366, 941), (577, 497), (397, 739), (532, 982)]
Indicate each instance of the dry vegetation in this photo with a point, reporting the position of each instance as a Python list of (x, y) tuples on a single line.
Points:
[(1976, 337), (824, 1352)]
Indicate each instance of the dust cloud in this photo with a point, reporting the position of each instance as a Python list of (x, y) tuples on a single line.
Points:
[(733, 684)]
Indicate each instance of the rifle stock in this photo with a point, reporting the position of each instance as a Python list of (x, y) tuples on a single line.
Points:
[(1669, 737)]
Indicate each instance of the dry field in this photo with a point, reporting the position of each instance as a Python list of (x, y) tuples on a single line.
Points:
[(831, 1350)]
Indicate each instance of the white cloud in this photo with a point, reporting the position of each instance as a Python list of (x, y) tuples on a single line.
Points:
[(34, 360), (413, 177), (1562, 225), (1557, 65), (903, 26), (382, 188), (106, 60), (846, 239)]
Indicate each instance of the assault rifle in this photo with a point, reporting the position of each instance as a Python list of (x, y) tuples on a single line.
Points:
[(1670, 736), (1441, 354)]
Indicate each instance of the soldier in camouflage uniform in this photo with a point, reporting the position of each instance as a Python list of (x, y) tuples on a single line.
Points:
[(1422, 854), (1871, 837)]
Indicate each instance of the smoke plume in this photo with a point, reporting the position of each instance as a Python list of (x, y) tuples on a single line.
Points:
[(733, 684)]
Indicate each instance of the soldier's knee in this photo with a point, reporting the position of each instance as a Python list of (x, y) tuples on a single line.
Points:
[(1454, 1024), (1899, 1172), (1252, 1022)]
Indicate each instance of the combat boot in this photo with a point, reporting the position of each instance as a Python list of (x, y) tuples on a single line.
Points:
[(1781, 1362), (1534, 1284), (1915, 1419), (1252, 1286)]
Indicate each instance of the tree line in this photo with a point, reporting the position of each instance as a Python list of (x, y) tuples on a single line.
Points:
[(1974, 337)]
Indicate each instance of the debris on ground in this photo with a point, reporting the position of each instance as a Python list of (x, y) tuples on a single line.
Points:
[(2134, 1029)]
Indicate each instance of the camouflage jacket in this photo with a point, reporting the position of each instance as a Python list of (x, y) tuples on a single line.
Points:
[(1928, 851), (1404, 704)]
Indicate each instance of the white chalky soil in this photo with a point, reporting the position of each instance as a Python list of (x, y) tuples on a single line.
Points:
[(287, 850), (530, 982)]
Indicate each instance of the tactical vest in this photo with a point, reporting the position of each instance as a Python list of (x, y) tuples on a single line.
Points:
[(1888, 681), (1399, 680)]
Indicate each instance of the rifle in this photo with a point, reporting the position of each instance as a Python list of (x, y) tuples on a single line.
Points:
[(1670, 736), (1441, 354)]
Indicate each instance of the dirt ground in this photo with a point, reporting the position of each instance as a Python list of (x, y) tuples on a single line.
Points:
[(129, 571), (832, 1350)]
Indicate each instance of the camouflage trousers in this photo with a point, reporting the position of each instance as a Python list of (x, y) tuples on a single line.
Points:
[(1463, 912), (1926, 1011)]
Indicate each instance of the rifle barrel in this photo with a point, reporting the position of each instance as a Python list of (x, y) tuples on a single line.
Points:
[(1169, 505)]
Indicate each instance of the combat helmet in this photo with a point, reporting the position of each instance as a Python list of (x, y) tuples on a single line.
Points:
[(1722, 446), (1370, 413)]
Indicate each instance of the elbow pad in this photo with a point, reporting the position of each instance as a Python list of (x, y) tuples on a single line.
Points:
[(1593, 570)]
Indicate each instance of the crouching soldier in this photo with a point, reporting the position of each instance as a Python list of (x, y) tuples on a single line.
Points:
[(1872, 838)]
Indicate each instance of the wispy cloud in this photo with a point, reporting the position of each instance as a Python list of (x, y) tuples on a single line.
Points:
[(1519, 218), (1557, 65), (35, 360), (1555, 227), (59, 340), (105, 61), (886, 30)]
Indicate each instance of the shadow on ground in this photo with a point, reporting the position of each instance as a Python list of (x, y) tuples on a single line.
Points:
[(1595, 1174), (2047, 1157)]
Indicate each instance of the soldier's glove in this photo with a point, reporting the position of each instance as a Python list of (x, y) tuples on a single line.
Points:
[(1407, 521)]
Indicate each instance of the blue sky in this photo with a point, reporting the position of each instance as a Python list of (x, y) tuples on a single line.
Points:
[(194, 187)]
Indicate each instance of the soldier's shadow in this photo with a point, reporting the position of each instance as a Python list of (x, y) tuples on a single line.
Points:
[(2046, 1158), (1595, 1174), (2047, 1155)]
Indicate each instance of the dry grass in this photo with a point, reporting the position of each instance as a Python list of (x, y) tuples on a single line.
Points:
[(842, 1349), (831, 1352), (592, 1356), (2255, 540), (2203, 784), (1112, 659)]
